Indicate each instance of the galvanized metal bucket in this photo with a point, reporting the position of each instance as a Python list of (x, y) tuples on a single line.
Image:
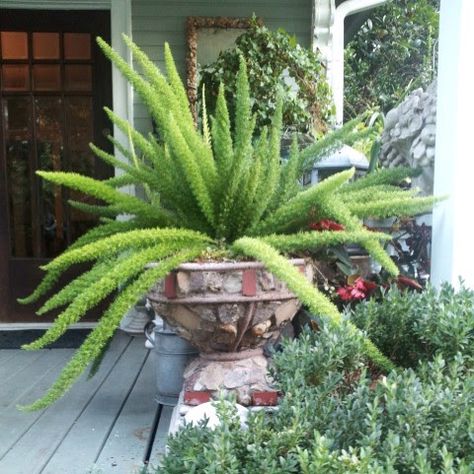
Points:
[(171, 354)]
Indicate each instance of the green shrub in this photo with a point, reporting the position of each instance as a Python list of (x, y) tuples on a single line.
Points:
[(408, 326), (391, 55), (336, 418)]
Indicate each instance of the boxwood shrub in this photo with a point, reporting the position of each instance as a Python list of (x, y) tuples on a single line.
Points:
[(339, 416)]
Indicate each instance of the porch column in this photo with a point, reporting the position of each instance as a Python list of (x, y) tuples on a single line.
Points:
[(453, 219), (121, 22)]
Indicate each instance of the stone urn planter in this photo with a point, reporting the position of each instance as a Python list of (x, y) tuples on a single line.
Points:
[(229, 311)]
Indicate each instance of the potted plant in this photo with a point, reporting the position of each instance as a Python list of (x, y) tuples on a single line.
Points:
[(209, 197)]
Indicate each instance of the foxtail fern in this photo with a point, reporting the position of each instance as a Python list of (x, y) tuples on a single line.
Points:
[(208, 189)]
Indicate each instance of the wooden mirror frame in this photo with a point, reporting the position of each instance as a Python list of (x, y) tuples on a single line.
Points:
[(193, 24)]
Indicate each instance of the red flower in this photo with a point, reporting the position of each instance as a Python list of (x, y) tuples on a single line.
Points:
[(344, 293), (326, 224), (358, 291)]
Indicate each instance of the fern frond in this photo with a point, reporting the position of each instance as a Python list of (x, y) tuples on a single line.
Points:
[(176, 83), (193, 176), (221, 136), (114, 244), (303, 241), (120, 181), (394, 206), (243, 113), (96, 340), (334, 209), (117, 273), (298, 209), (317, 303), (289, 185), (327, 144), (390, 176), (206, 134), (107, 229), (67, 293), (142, 173), (95, 210), (92, 187)]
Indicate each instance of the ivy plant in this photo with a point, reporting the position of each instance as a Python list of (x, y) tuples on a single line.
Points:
[(274, 61), (206, 191)]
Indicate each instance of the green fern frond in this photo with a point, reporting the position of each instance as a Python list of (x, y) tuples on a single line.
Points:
[(94, 209), (327, 144), (114, 244), (393, 206), (176, 83), (108, 229), (106, 283), (221, 136), (193, 176), (92, 187), (390, 176), (289, 185), (243, 113), (298, 208), (120, 181), (67, 293), (96, 340), (317, 303), (303, 241)]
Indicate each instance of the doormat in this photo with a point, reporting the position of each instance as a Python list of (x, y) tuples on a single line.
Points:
[(71, 339)]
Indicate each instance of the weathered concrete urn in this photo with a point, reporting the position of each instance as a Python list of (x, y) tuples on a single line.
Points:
[(229, 311)]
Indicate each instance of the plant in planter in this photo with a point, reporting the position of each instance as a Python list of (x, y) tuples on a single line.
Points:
[(208, 194)]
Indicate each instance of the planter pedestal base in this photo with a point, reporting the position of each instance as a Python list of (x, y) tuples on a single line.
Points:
[(243, 373)]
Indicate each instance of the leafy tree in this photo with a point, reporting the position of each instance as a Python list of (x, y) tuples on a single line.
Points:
[(392, 54)]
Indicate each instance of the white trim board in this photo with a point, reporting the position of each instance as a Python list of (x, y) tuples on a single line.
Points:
[(58, 5)]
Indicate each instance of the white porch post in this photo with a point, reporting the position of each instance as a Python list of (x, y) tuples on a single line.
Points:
[(336, 65), (121, 22), (453, 220)]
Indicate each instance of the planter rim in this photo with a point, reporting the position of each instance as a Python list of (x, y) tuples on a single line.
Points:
[(225, 266)]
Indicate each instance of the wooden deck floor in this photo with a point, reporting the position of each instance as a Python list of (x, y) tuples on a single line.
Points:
[(102, 425)]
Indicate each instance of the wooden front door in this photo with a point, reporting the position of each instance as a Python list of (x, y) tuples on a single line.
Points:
[(54, 83)]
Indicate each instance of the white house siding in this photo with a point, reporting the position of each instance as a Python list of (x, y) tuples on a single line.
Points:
[(157, 21)]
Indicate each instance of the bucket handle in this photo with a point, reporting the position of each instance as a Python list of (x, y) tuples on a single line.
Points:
[(148, 330)]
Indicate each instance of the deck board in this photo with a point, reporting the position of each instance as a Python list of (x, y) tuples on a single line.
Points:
[(125, 447), (159, 446), (83, 443), (102, 425)]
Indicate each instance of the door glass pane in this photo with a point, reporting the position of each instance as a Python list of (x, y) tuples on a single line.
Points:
[(49, 145), (46, 77), (78, 77), (79, 133), (16, 114), (15, 77), (14, 45), (46, 45), (77, 45)]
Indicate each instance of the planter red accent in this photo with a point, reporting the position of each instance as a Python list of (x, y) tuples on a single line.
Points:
[(170, 286), (265, 399), (196, 397), (249, 282)]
